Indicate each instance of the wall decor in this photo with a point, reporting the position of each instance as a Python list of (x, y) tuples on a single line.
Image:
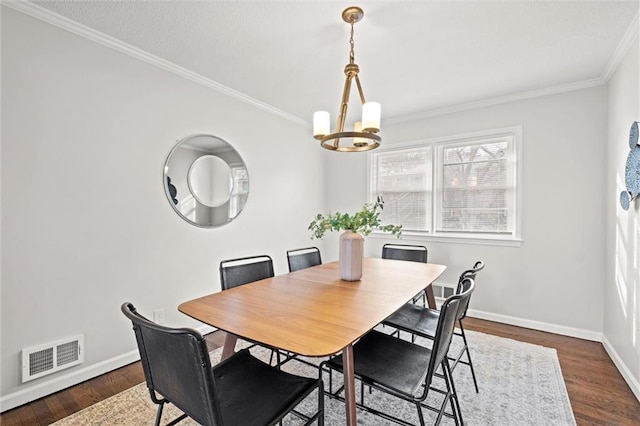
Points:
[(206, 181), (632, 169)]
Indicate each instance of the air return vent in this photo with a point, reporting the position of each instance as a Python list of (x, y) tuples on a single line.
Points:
[(41, 360), (442, 291)]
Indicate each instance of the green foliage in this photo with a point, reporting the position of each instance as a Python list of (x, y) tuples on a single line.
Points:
[(363, 221)]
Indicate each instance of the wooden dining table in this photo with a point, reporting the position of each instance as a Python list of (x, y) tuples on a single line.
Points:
[(312, 312)]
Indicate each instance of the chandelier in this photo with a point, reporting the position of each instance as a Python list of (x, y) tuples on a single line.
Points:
[(363, 137)]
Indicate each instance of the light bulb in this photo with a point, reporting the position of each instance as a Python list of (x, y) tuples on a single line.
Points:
[(320, 124), (371, 117), (357, 127)]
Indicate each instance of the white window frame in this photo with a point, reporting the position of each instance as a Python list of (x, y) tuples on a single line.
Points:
[(512, 134)]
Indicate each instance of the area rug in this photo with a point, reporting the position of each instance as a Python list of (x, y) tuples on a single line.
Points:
[(520, 384)]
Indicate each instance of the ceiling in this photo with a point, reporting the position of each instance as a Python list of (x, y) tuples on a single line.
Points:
[(414, 57)]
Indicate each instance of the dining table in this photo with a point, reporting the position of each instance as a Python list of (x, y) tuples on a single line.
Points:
[(313, 312)]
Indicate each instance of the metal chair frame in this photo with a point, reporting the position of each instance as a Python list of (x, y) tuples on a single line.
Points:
[(411, 253), (303, 258), (373, 369), (178, 370), (244, 270), (297, 259), (423, 323), (260, 267)]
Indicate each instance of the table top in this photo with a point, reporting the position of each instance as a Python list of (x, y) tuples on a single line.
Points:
[(312, 311)]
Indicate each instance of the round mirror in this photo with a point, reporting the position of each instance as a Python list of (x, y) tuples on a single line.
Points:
[(206, 181)]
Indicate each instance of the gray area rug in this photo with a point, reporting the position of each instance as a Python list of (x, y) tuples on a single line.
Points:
[(520, 384)]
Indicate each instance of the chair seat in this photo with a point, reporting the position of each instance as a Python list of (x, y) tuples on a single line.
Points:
[(384, 360), (414, 319), (251, 393)]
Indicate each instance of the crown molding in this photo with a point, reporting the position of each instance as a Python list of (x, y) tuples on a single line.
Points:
[(622, 49), (630, 35), (585, 84), (74, 27)]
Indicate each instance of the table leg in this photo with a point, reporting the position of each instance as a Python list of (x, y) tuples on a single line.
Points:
[(431, 300), (349, 385), (229, 347)]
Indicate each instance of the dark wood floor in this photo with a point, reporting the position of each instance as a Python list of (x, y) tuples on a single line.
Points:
[(598, 393)]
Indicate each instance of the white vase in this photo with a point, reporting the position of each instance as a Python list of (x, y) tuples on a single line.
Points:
[(351, 255)]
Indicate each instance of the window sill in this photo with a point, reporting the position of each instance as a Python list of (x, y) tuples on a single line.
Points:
[(451, 239)]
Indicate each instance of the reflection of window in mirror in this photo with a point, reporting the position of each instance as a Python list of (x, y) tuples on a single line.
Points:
[(240, 190), (188, 207)]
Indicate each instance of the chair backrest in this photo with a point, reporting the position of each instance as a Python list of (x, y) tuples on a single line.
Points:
[(469, 273), (303, 258), (176, 365), (412, 253), (244, 270), (446, 322)]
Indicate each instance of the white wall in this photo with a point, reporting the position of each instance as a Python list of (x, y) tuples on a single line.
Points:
[(86, 225), (554, 280), (622, 284), (85, 221)]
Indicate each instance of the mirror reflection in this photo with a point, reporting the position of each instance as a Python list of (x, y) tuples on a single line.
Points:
[(206, 180), (210, 180)]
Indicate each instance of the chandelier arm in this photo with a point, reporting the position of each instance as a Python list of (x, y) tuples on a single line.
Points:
[(360, 89), (344, 104)]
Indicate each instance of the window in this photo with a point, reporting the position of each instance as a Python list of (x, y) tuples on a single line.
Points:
[(404, 181), (460, 186)]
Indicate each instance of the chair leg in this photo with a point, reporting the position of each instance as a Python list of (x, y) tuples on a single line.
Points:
[(447, 398), (466, 347), (277, 352), (321, 404), (159, 413), (455, 403), (420, 415)]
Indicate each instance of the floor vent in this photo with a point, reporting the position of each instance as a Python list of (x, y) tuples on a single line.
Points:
[(442, 292), (41, 360)]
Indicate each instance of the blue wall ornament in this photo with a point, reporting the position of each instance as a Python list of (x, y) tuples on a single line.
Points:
[(633, 135), (625, 199), (631, 169)]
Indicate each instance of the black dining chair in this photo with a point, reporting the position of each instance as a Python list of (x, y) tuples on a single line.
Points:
[(408, 252), (422, 321), (240, 390), (404, 369), (297, 259), (244, 270), (303, 258)]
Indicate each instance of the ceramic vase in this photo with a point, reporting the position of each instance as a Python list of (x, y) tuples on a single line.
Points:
[(351, 255)]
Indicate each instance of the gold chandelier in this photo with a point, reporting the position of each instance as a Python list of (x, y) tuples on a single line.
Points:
[(364, 135)]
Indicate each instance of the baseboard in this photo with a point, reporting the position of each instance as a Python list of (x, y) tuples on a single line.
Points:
[(47, 387), (56, 384), (537, 325), (633, 383)]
